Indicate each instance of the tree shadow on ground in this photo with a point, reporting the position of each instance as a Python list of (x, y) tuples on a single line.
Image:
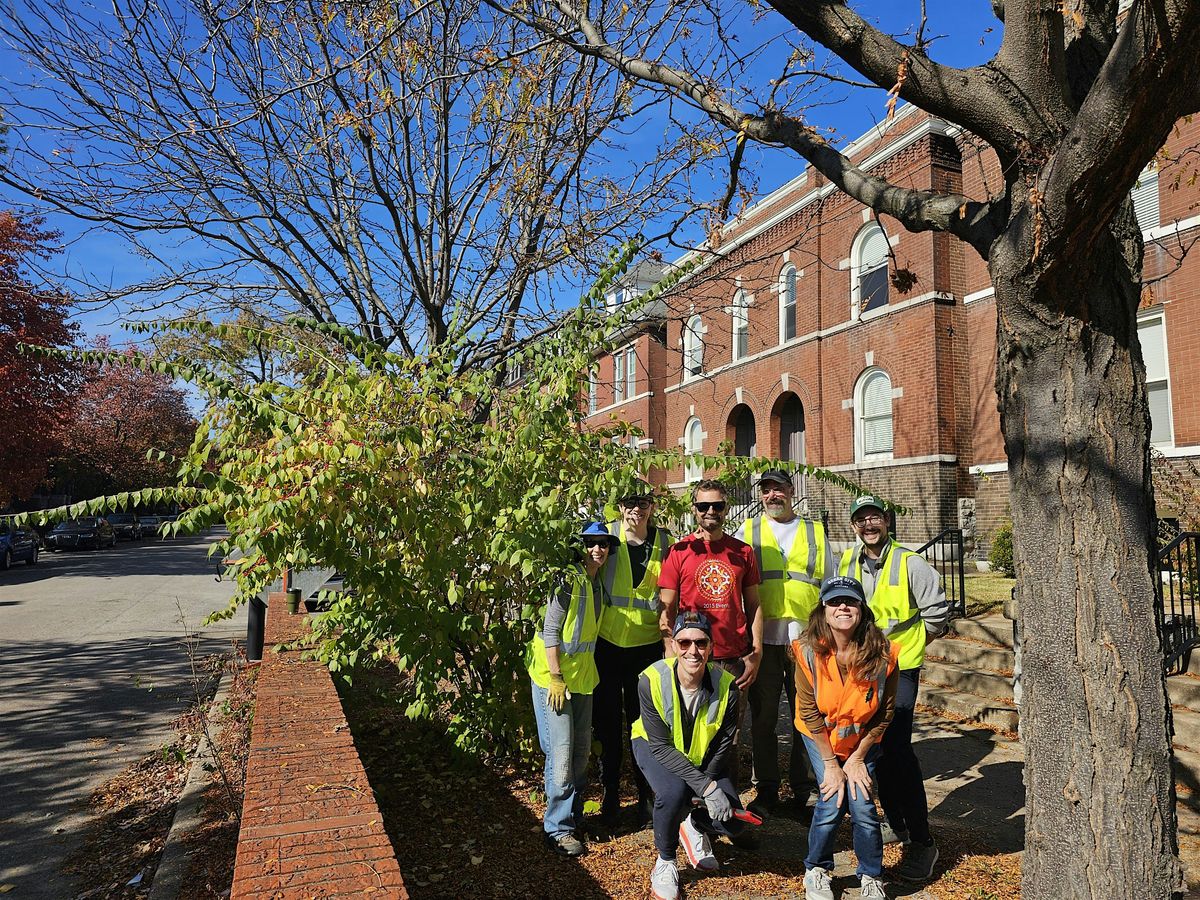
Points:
[(74, 712), (146, 557)]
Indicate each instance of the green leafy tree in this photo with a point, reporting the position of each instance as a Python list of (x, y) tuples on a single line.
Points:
[(452, 529)]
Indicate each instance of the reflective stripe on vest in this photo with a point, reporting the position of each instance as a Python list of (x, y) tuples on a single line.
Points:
[(576, 653), (661, 676), (891, 601), (786, 593), (844, 706), (631, 619)]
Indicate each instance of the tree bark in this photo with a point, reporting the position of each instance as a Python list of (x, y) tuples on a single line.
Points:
[(1100, 817)]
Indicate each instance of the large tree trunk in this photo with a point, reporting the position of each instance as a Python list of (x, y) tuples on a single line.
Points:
[(1100, 814)]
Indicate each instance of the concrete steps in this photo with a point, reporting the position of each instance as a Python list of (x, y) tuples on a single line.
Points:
[(971, 654), (968, 675), (969, 680), (994, 630)]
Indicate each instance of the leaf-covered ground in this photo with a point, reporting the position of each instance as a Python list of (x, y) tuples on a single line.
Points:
[(133, 811), (464, 828)]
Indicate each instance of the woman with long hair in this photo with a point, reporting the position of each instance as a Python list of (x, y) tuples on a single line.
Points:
[(845, 693)]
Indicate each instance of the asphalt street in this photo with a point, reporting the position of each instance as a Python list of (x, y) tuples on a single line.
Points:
[(93, 668)]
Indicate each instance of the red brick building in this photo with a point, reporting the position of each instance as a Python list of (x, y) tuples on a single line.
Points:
[(791, 341)]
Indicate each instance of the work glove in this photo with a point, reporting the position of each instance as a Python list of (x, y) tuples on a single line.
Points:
[(717, 803), (558, 693)]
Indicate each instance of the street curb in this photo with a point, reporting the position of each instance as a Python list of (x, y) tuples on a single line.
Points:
[(173, 862)]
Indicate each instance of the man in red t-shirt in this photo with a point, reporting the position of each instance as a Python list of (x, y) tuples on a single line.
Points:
[(716, 574)]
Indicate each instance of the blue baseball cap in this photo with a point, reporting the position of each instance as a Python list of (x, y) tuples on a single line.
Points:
[(691, 618), (593, 530), (837, 587)]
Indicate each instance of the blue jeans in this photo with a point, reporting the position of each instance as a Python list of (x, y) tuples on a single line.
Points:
[(566, 739), (868, 841)]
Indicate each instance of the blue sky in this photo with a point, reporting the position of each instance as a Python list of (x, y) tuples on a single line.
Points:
[(966, 33)]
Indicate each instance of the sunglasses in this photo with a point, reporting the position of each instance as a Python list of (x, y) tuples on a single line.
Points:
[(686, 643), (841, 601), (716, 505), (639, 503), (595, 542)]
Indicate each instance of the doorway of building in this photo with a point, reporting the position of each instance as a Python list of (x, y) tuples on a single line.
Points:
[(789, 413)]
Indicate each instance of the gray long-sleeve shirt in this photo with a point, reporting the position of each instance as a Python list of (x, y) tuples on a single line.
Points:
[(556, 610), (662, 745), (924, 587)]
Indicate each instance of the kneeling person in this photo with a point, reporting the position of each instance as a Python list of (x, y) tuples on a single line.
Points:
[(684, 743)]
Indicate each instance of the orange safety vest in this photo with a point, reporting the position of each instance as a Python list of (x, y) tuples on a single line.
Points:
[(846, 705)]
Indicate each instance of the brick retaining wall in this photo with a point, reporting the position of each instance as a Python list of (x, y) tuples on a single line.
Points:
[(310, 824)]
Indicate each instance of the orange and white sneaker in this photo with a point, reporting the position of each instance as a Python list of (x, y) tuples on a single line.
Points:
[(664, 880), (697, 847)]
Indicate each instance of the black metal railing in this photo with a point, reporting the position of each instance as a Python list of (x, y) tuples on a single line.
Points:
[(1175, 593), (945, 553)]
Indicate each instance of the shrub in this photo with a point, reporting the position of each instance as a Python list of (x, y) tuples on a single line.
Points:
[(1000, 558)]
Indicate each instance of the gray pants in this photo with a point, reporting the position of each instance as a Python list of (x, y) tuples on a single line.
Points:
[(777, 673)]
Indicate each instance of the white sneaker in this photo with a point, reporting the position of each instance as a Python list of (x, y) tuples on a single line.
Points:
[(870, 888), (817, 885), (698, 847), (664, 880)]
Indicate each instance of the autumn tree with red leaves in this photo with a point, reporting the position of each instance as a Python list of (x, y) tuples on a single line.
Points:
[(35, 391), (120, 413)]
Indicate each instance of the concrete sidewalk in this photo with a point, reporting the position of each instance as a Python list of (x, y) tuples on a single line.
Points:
[(93, 668), (973, 781)]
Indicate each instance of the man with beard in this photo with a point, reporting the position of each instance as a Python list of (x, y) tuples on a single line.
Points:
[(793, 558), (906, 597), (716, 574)]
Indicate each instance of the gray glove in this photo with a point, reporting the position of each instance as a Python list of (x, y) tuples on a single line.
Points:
[(717, 803)]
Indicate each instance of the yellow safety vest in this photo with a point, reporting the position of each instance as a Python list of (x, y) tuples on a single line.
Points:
[(847, 706), (632, 618), (708, 718), (577, 652), (790, 588), (891, 602)]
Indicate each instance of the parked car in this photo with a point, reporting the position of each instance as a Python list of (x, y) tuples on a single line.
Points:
[(91, 532), (150, 525), (126, 526), (17, 544)]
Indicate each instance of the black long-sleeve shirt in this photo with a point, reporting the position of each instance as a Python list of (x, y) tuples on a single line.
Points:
[(662, 745)]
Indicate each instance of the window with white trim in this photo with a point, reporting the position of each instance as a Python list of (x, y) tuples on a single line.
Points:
[(593, 391), (693, 347), (741, 326), (873, 414), (868, 270), (787, 304), (630, 373), (618, 376), (1145, 199), (1152, 335), (693, 443)]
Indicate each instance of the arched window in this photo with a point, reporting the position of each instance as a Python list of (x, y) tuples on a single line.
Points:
[(868, 270), (787, 304), (693, 347), (693, 442), (741, 326), (873, 412)]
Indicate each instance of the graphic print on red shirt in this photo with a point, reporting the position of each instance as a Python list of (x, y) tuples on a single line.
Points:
[(710, 577)]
